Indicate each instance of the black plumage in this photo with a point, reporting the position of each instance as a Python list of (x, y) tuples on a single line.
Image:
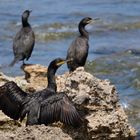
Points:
[(78, 50), (63, 109), (24, 40), (43, 107), (11, 98)]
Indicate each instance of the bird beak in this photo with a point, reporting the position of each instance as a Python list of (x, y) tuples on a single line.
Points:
[(63, 61), (94, 20), (30, 11)]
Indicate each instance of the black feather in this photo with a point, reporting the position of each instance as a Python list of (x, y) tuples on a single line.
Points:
[(24, 40), (63, 108), (11, 98), (42, 107), (78, 50)]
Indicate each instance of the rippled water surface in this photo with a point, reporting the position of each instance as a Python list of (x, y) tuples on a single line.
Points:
[(114, 40)]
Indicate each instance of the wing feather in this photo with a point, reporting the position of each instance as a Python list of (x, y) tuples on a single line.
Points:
[(59, 108), (11, 98)]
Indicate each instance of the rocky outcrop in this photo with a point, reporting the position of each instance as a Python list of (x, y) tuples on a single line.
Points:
[(97, 100), (106, 117)]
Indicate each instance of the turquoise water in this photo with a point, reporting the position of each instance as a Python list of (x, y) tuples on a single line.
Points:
[(111, 39)]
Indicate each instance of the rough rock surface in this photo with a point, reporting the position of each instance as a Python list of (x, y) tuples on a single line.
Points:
[(34, 73), (38, 132), (106, 117), (97, 100)]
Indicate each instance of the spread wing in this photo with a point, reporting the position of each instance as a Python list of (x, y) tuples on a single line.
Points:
[(31, 106), (59, 108), (11, 98)]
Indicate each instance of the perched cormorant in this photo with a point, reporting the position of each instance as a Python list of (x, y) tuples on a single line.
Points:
[(78, 50), (24, 40), (43, 107)]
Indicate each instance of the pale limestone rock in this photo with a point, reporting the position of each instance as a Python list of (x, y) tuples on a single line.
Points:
[(106, 117), (96, 99)]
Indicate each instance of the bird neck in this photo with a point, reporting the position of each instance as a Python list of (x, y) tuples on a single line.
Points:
[(82, 31), (51, 79), (25, 22)]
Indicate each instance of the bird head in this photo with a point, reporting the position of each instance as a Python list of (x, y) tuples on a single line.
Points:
[(56, 63), (87, 20), (26, 13)]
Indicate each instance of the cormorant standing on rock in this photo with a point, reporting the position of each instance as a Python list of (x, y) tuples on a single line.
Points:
[(24, 40), (42, 107), (78, 50)]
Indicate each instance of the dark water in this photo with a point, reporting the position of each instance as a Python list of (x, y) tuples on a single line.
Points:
[(111, 38)]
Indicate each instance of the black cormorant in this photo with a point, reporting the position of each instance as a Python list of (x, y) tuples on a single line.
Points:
[(43, 107), (24, 40), (78, 50)]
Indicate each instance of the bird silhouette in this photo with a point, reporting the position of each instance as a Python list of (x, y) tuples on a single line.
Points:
[(78, 50), (42, 107), (24, 40)]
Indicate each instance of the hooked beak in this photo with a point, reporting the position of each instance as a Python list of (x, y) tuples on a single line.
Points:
[(64, 61), (30, 11)]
